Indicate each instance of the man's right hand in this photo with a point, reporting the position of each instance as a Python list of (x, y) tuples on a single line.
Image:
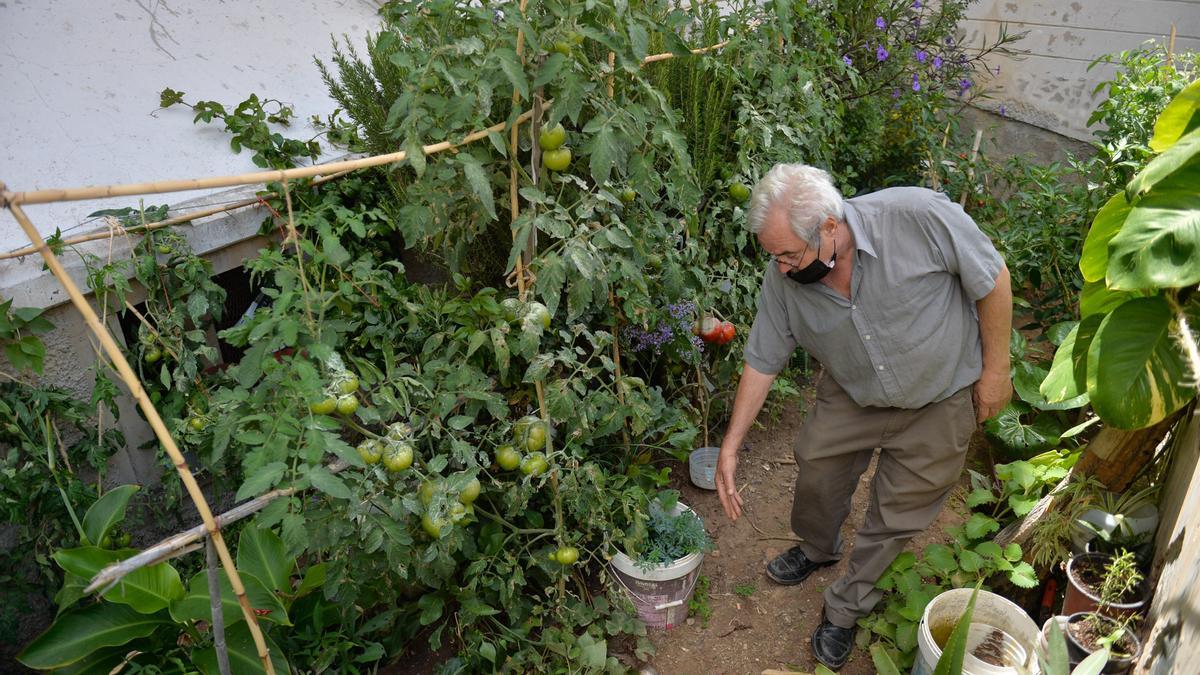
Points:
[(726, 485)]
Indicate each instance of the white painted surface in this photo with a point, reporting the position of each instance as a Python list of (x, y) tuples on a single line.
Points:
[(1050, 85), (81, 83)]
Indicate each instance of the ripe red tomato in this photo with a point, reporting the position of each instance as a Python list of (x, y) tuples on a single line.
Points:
[(728, 331)]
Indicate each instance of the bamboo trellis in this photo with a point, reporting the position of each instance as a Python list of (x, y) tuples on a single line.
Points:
[(211, 527)]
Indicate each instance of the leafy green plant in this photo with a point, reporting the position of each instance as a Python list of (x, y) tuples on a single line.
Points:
[(1019, 485), (19, 329), (700, 604), (670, 536), (745, 590), (151, 616), (1133, 352), (1054, 660)]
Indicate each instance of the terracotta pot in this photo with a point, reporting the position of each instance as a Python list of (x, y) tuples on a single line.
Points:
[(1080, 598), (1077, 652)]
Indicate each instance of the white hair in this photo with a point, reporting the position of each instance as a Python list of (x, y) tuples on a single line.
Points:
[(810, 198)]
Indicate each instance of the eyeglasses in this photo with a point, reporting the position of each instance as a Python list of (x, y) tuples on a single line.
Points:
[(790, 259)]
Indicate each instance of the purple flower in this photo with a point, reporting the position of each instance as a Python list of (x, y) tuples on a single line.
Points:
[(881, 53), (916, 4), (937, 63), (895, 93), (997, 71), (846, 60), (922, 55), (949, 42), (916, 83), (964, 84), (917, 22), (880, 23), (1003, 111)]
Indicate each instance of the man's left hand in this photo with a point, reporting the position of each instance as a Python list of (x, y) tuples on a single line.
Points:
[(991, 393)]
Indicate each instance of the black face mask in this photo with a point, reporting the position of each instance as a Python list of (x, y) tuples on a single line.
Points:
[(815, 270)]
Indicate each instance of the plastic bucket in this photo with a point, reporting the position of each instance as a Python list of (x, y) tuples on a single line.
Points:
[(702, 465), (661, 593), (1000, 632)]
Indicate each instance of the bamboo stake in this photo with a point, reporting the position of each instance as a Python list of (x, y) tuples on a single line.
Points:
[(185, 542), (513, 202), (107, 233), (153, 418), (962, 199), (214, 603), (1171, 47)]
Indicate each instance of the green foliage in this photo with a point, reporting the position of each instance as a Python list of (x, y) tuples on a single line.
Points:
[(1141, 362), (249, 126), (671, 537), (700, 604), (951, 660), (745, 590), (19, 329)]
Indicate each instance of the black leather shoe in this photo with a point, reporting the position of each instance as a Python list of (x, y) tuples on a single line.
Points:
[(792, 567), (831, 645)]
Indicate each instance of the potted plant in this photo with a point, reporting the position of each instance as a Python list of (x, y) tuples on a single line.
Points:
[(660, 576), (1111, 585), (1089, 633), (1115, 521), (1054, 658)]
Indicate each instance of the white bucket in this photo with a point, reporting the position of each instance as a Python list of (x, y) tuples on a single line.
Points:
[(999, 628), (661, 593), (702, 466)]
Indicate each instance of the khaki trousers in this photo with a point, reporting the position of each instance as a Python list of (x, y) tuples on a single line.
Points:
[(921, 459)]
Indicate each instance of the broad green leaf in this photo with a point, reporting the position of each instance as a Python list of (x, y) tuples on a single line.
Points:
[(477, 178), (1054, 661), (1181, 116), (593, 652), (1023, 575), (951, 661), (328, 483), (100, 662), (1093, 262), (196, 605), (1027, 382), (261, 479), (243, 656), (979, 496), (1022, 504), (1011, 430), (941, 557), (1097, 298), (1159, 245), (1012, 552), (262, 553), (1136, 373), (146, 589), (603, 151), (1166, 166), (511, 66), (1067, 378), (883, 663), (979, 526), (76, 634), (107, 512)]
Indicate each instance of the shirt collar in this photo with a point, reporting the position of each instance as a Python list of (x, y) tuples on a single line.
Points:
[(862, 242)]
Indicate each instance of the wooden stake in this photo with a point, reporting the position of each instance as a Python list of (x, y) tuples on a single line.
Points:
[(1171, 47), (214, 603), (962, 199), (152, 417)]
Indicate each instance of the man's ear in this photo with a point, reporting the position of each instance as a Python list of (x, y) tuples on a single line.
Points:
[(829, 226)]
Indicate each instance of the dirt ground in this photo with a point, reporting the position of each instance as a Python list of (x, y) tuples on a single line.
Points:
[(764, 626)]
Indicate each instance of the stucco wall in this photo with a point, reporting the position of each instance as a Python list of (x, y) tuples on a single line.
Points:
[(1049, 85), (1173, 642)]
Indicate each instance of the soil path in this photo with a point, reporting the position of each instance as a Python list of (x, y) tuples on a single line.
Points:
[(757, 625)]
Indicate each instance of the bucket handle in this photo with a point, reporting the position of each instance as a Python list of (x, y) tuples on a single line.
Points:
[(665, 605)]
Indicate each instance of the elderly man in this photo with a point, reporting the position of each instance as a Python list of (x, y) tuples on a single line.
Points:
[(908, 307)]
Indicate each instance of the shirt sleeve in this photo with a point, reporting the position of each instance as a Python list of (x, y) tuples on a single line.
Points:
[(771, 343), (964, 248)]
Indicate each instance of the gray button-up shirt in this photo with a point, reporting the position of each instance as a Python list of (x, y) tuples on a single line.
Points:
[(909, 333)]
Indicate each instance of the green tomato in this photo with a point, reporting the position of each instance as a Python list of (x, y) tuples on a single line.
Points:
[(536, 313), (347, 404), (325, 406), (164, 249), (534, 464), (458, 512), (123, 540), (507, 457), (739, 192), (511, 307), (197, 423), (562, 47), (628, 195), (471, 492), (399, 457), (558, 159), (552, 138), (399, 431), (434, 527), (426, 492), (152, 355), (348, 385), (371, 451), (566, 555)]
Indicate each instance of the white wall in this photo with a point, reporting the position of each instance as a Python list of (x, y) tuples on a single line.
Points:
[(81, 83), (1050, 84)]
